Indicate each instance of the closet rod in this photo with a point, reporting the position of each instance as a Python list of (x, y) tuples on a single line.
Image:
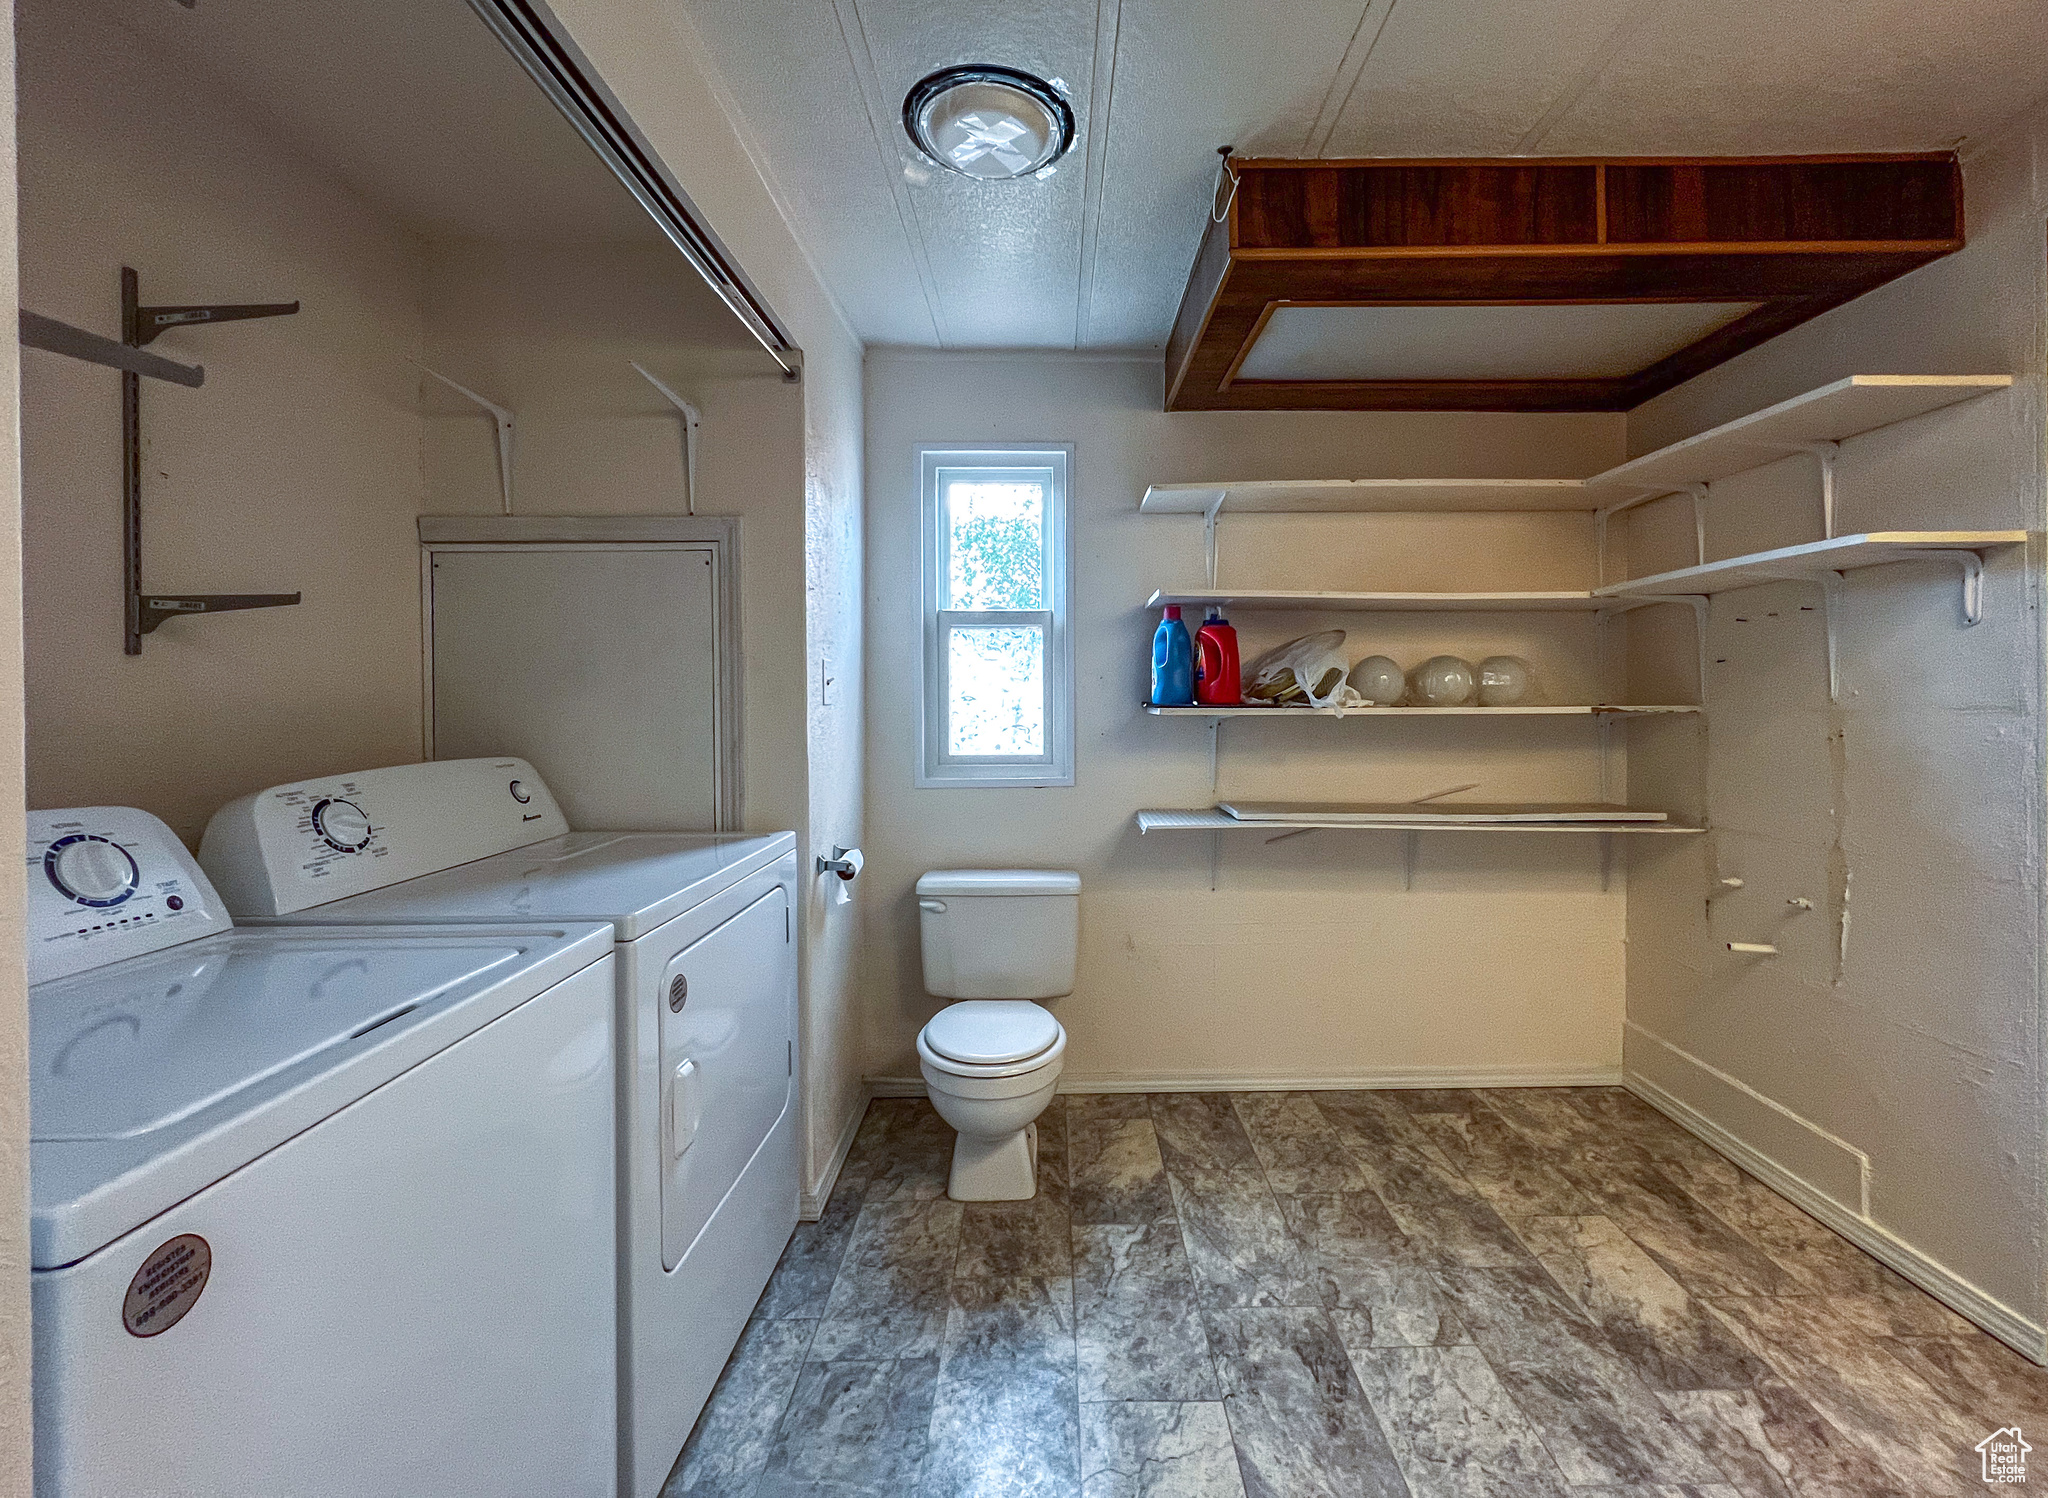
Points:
[(38, 331)]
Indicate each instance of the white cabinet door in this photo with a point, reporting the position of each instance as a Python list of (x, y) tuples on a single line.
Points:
[(599, 664)]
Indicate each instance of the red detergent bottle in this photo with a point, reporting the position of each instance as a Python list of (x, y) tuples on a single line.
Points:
[(1216, 664)]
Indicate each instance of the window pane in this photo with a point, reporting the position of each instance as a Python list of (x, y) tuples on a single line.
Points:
[(995, 544), (995, 692)]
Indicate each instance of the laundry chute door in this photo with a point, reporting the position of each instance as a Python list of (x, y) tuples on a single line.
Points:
[(599, 664)]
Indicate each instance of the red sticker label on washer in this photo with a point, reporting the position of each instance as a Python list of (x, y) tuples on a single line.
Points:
[(167, 1285)]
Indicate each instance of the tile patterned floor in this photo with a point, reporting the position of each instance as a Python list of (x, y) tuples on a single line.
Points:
[(1291, 1295)]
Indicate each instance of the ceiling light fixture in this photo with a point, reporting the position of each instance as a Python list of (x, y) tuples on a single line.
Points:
[(991, 123)]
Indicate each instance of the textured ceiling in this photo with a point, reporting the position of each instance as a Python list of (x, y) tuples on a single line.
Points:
[(1097, 255)]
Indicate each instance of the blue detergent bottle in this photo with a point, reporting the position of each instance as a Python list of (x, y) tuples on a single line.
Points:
[(1173, 662)]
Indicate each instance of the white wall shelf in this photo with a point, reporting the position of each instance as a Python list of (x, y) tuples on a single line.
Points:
[(1366, 496), (1567, 710), (1370, 603), (1207, 819), (1824, 562), (1833, 413)]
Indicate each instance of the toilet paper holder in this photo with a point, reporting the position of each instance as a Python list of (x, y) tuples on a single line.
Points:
[(845, 862)]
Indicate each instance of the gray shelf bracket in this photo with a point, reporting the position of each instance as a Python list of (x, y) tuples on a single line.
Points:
[(149, 323), (52, 336), (143, 612)]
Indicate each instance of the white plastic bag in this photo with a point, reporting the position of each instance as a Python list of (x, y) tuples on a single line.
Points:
[(1309, 669)]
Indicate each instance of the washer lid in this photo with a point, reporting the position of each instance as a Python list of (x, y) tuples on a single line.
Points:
[(151, 1079), (991, 1032), (1008, 883)]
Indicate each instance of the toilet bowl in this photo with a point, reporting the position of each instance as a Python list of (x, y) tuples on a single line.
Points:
[(992, 1102), (995, 940)]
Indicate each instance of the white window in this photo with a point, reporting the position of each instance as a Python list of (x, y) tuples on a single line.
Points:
[(998, 706)]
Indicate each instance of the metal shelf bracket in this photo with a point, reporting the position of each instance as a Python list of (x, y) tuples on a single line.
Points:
[(52, 336), (1827, 454), (692, 420), (500, 418), (142, 613), (1209, 531)]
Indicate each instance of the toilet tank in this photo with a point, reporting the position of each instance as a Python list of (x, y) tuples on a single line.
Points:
[(999, 933)]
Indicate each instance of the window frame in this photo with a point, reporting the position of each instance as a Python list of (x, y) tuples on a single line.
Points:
[(935, 767)]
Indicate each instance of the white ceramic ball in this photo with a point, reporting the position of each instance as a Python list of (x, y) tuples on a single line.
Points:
[(1503, 680), (1379, 681), (1443, 681)]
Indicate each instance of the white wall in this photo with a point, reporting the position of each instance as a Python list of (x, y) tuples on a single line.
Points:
[(547, 333), (295, 467), (652, 59), (15, 1464), (1308, 960), (303, 461), (1894, 1070)]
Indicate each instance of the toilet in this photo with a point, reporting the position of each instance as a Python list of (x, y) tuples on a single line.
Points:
[(995, 940)]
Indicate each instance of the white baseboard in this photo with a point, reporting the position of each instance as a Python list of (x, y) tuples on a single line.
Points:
[(1388, 1077), (1797, 1145), (811, 1204), (2025, 1337)]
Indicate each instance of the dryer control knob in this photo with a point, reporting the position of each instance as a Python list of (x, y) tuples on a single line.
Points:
[(343, 825)]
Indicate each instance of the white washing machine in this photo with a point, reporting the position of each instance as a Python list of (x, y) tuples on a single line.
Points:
[(313, 1212), (706, 963)]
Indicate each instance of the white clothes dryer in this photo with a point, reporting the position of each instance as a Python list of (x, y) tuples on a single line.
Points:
[(312, 1210), (704, 927)]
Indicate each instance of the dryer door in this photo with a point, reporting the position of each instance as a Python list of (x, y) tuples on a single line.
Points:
[(728, 1007)]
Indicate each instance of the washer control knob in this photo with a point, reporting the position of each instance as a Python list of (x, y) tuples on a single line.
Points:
[(92, 870), (519, 792), (343, 825)]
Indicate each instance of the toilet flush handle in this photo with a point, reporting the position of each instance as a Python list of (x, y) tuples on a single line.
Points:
[(936, 907)]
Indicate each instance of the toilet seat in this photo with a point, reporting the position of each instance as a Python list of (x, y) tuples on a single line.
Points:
[(991, 1039), (991, 1032)]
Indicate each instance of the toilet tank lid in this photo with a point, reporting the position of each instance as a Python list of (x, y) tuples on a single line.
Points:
[(1008, 883)]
